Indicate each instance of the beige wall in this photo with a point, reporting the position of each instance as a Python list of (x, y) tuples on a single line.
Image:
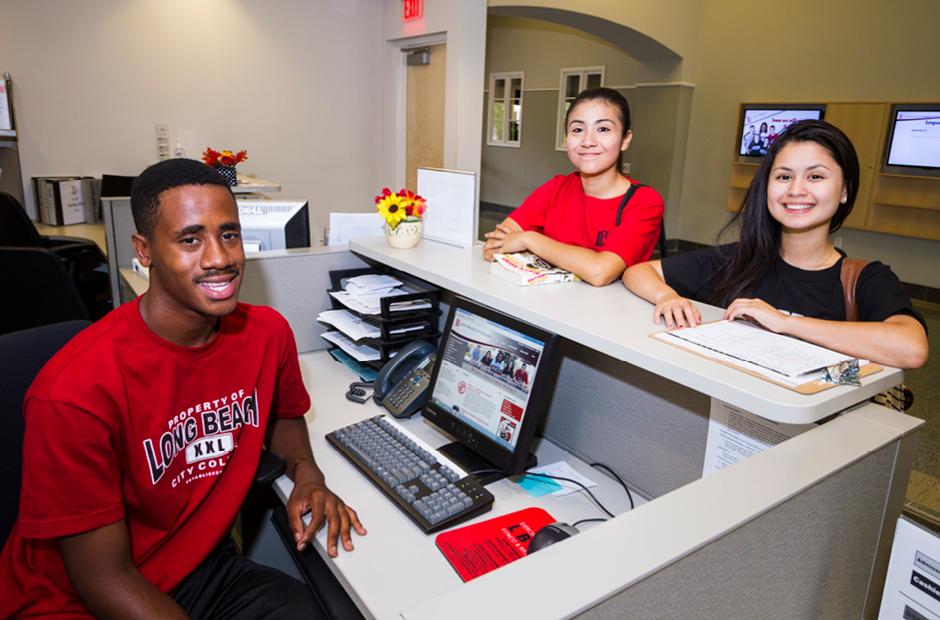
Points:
[(672, 23), (93, 77), (850, 50), (659, 113), (462, 23)]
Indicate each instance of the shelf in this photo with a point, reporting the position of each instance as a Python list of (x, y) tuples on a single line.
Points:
[(906, 221), (914, 177)]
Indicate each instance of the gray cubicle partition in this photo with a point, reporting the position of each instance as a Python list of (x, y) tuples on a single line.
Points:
[(295, 283)]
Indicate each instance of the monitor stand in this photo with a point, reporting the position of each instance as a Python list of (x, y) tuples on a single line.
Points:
[(470, 462)]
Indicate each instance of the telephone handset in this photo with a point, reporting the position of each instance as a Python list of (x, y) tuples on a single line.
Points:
[(401, 384)]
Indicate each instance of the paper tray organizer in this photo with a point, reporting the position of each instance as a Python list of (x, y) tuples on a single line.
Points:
[(389, 320)]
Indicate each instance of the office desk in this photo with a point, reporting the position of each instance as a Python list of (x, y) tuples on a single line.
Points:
[(659, 560), (617, 323), (92, 232), (802, 530), (396, 566)]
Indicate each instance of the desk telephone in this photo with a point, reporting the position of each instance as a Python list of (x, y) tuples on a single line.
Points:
[(402, 383)]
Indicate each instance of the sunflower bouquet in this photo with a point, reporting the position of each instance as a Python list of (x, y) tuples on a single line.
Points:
[(401, 206)]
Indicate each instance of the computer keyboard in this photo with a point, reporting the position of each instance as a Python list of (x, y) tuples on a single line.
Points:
[(432, 493)]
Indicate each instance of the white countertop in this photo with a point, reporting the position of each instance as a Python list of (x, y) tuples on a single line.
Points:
[(613, 321)]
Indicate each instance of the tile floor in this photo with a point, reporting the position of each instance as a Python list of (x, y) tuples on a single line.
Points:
[(923, 490)]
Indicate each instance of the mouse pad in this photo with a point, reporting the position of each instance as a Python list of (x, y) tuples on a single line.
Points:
[(475, 550)]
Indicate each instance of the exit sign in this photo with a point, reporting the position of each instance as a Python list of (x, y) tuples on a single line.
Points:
[(413, 9)]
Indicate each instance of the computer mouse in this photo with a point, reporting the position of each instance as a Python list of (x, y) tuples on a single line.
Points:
[(550, 534)]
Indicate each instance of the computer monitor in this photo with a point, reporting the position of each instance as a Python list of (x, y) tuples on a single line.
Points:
[(761, 123), (913, 140), (490, 388), (274, 224)]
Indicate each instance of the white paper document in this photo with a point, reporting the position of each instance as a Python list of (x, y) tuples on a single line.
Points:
[(349, 324), (912, 586), (564, 470), (370, 304), (734, 435), (357, 329), (347, 226), (361, 352), (371, 283), (774, 355), (452, 205)]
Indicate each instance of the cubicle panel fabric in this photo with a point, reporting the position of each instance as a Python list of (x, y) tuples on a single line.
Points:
[(648, 429), (809, 557), (295, 283)]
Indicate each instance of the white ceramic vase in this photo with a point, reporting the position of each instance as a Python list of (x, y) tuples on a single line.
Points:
[(406, 235)]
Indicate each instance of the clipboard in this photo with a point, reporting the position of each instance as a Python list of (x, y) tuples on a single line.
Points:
[(813, 386)]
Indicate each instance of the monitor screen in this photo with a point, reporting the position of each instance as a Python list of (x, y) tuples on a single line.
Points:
[(762, 123), (914, 137), (274, 224), (490, 382)]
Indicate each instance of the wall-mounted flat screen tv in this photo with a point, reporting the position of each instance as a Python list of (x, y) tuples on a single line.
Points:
[(914, 140), (762, 123)]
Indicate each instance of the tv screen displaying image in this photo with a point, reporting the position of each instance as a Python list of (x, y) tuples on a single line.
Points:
[(761, 124), (914, 138)]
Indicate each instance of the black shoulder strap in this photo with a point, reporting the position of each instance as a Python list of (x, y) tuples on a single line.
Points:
[(626, 198)]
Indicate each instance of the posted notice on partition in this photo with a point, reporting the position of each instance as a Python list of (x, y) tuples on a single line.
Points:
[(912, 586), (734, 435)]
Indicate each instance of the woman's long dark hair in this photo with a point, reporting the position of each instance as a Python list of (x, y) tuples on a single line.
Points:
[(755, 255)]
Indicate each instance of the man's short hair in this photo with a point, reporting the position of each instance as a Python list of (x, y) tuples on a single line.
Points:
[(164, 175)]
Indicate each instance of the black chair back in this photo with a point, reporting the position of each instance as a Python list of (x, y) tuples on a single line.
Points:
[(116, 185), (37, 290), (16, 228), (22, 355)]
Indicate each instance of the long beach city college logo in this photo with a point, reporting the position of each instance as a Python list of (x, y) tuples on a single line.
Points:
[(205, 434)]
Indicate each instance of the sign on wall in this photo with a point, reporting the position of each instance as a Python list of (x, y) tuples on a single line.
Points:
[(412, 9)]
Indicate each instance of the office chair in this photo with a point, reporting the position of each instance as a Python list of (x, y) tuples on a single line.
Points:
[(83, 260), (37, 290), (22, 355)]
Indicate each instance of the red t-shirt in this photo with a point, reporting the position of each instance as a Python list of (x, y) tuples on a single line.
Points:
[(121, 424), (561, 210)]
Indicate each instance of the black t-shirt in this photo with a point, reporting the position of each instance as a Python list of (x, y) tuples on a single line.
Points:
[(817, 294)]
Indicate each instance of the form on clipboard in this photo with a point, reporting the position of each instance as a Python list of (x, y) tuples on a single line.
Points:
[(780, 359)]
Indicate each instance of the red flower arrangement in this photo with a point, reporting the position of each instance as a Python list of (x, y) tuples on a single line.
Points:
[(223, 158)]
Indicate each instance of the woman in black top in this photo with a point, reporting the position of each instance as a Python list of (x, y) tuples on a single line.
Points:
[(784, 273)]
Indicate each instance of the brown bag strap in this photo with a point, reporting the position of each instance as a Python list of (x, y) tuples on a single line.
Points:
[(851, 268)]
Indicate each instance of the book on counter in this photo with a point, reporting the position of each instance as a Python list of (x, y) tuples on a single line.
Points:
[(527, 269)]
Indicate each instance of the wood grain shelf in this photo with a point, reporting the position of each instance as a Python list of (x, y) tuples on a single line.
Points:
[(887, 202)]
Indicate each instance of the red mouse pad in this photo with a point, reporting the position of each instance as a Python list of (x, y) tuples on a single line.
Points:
[(477, 549)]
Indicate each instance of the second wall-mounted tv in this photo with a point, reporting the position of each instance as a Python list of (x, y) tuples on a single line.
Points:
[(761, 123), (914, 140)]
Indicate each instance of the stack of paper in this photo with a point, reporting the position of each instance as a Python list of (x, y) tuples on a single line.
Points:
[(363, 294), (773, 355), (355, 328), (361, 352)]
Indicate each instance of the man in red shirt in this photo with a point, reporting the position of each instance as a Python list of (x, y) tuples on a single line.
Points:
[(144, 432)]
